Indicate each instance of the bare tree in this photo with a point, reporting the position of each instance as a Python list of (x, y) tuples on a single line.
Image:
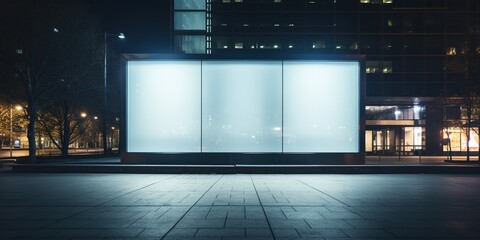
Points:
[(47, 42)]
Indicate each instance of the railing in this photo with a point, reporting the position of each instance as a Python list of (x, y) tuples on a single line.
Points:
[(398, 151)]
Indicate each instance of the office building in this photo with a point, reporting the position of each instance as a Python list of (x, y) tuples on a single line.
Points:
[(416, 52)]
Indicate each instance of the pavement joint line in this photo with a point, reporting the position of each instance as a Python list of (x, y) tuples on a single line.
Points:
[(263, 209), (330, 196), (148, 185), (190, 208)]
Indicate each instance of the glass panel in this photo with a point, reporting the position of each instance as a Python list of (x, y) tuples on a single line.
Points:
[(368, 141), (190, 44), (190, 21), (190, 5), (321, 101), (242, 106), (163, 106)]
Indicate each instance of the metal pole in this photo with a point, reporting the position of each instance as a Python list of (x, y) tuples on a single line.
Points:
[(104, 120), (11, 130)]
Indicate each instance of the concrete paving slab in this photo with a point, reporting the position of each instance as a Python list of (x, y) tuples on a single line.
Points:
[(288, 206)]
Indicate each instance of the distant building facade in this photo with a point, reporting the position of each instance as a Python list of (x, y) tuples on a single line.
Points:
[(409, 45)]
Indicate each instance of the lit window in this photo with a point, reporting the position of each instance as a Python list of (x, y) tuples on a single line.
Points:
[(276, 25), (275, 46), (387, 67), (364, 1), (277, 1), (387, 1), (226, 1), (225, 46), (318, 44), (290, 46), (354, 46), (338, 47), (372, 66), (311, 2), (238, 45), (389, 23), (245, 24), (239, 1), (252, 46), (451, 51), (261, 46), (291, 25), (223, 24)]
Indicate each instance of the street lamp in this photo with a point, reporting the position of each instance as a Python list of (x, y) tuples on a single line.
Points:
[(18, 107), (104, 120)]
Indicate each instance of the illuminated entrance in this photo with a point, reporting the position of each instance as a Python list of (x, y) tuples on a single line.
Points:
[(224, 111)]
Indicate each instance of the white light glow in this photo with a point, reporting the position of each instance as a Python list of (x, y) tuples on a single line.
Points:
[(247, 96), (321, 106), (176, 106), (163, 108)]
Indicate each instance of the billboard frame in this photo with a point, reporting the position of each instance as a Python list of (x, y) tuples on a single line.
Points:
[(209, 158)]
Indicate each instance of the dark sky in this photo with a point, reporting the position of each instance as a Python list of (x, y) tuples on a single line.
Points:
[(146, 23)]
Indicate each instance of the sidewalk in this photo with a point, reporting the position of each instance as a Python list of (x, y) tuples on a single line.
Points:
[(242, 206)]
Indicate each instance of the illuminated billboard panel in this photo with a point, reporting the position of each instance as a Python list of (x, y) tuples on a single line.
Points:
[(321, 112), (243, 106), (163, 106)]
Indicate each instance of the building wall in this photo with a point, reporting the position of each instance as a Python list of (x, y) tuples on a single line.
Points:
[(415, 50), (408, 43)]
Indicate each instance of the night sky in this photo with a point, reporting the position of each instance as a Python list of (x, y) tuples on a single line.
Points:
[(146, 23)]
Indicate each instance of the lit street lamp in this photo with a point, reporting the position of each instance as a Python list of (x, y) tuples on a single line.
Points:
[(104, 120), (18, 107)]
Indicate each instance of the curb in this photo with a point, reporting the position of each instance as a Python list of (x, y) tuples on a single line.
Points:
[(244, 169)]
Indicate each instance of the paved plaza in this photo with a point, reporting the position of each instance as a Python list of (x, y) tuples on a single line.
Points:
[(148, 206)]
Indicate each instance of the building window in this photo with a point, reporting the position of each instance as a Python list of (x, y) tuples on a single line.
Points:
[(318, 44), (191, 44), (190, 4), (190, 20), (372, 67), (376, 1), (226, 1), (238, 45), (239, 1), (354, 46), (277, 1), (389, 23), (458, 139), (387, 67), (451, 51)]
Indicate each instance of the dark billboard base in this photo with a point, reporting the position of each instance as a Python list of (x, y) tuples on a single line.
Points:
[(245, 158)]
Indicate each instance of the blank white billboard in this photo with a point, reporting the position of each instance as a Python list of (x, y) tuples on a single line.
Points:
[(321, 106), (163, 106), (242, 106)]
